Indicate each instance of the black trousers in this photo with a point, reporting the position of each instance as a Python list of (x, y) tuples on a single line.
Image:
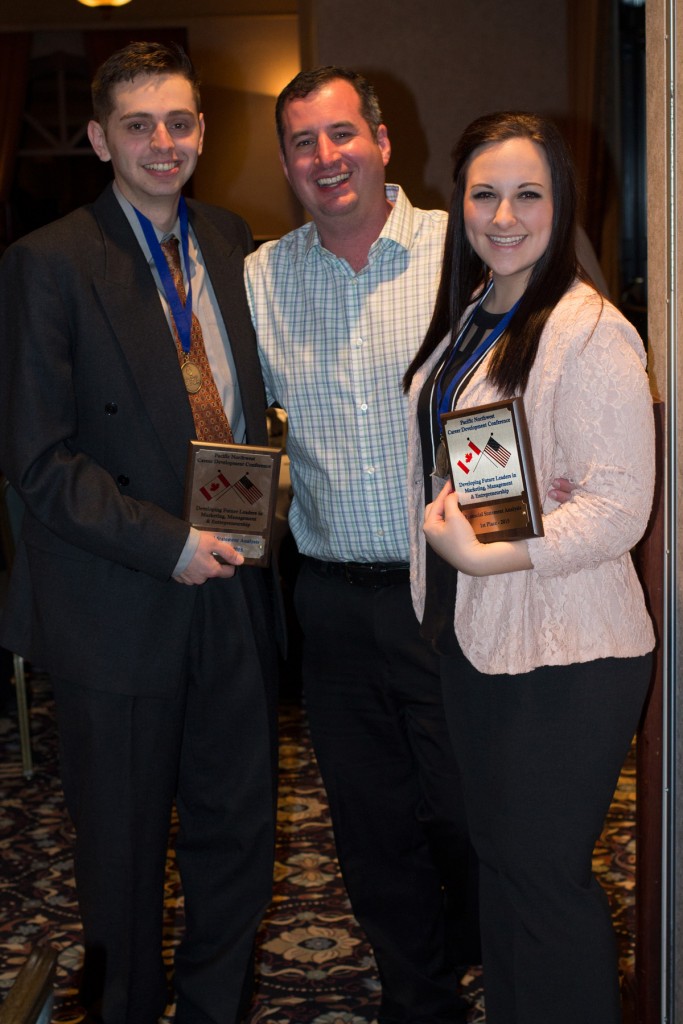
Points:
[(373, 698), (540, 756), (211, 748)]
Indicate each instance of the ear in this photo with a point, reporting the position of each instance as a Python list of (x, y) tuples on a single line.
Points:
[(383, 143), (98, 140), (202, 127)]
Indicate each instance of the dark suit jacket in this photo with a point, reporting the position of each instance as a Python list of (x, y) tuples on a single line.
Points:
[(94, 430)]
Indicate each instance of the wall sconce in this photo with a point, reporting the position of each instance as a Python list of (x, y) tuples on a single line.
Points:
[(104, 3)]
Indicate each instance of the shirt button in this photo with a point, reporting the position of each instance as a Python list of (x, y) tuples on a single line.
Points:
[(364, 407)]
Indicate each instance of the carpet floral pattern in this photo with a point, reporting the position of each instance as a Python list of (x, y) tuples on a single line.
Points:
[(314, 964)]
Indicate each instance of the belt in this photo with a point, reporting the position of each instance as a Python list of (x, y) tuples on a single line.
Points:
[(363, 574)]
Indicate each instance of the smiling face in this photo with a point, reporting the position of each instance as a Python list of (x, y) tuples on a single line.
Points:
[(508, 212), (153, 137), (332, 161)]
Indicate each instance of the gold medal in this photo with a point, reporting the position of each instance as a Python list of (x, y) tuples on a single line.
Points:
[(192, 376)]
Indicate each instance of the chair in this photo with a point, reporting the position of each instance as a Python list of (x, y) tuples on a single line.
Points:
[(31, 998), (11, 510)]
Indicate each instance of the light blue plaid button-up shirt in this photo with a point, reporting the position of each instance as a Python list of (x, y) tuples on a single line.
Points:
[(334, 346)]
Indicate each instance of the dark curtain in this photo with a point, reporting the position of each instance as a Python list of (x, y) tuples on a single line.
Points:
[(14, 54)]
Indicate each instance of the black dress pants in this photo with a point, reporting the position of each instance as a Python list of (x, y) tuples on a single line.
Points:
[(540, 755), (373, 699), (211, 748)]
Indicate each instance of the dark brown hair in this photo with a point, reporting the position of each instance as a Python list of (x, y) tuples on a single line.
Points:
[(308, 81), (139, 59), (463, 274)]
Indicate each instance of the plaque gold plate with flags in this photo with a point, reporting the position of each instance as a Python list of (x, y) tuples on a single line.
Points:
[(231, 489), (492, 470)]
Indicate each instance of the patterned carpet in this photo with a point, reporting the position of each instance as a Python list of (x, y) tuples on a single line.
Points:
[(315, 966)]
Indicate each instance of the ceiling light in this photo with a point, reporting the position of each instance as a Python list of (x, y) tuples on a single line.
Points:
[(104, 3)]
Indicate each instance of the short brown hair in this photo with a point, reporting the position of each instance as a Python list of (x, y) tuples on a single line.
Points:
[(308, 81), (139, 59)]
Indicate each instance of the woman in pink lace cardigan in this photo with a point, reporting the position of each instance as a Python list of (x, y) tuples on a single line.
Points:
[(545, 643)]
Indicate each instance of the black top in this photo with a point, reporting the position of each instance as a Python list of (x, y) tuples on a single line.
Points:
[(437, 622)]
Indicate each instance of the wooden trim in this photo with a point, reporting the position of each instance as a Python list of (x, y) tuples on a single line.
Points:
[(642, 992)]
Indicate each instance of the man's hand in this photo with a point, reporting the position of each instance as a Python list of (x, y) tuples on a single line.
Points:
[(561, 489), (205, 565)]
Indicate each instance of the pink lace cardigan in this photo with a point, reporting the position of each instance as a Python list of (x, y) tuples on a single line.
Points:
[(589, 411)]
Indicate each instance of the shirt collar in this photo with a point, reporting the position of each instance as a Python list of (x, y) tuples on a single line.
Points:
[(129, 211), (398, 227), (399, 224)]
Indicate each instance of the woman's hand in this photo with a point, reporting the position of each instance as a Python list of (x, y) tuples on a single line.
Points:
[(450, 534), (447, 530)]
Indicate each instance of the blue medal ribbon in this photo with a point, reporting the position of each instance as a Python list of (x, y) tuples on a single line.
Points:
[(444, 399), (182, 314)]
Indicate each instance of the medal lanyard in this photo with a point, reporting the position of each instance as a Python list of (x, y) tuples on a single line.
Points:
[(444, 399), (182, 314)]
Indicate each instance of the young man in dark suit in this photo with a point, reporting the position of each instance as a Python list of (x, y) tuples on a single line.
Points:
[(160, 653)]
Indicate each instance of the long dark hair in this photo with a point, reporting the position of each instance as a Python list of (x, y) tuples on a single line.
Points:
[(463, 274)]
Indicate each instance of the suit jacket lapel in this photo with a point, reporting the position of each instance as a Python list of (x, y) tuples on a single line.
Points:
[(130, 299)]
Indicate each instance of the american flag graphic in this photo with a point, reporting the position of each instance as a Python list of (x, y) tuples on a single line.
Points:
[(248, 490), (496, 452)]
